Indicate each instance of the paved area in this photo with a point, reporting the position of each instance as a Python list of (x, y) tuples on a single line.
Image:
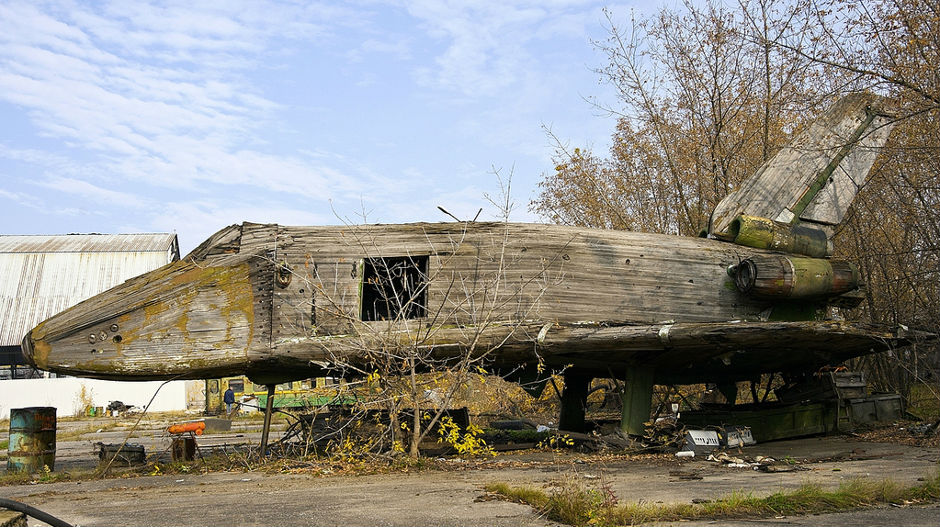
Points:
[(456, 497), (887, 516)]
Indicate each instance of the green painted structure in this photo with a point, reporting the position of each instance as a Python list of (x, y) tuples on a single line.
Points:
[(305, 400), (637, 397)]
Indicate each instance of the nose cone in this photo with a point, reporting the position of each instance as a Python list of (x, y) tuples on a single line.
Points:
[(35, 352), (184, 321)]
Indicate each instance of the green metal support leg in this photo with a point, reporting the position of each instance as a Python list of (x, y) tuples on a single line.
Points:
[(637, 398), (269, 408)]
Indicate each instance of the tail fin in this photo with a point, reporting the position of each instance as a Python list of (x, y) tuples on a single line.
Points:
[(815, 178)]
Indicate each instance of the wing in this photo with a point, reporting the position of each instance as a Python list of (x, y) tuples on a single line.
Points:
[(680, 353), (685, 353)]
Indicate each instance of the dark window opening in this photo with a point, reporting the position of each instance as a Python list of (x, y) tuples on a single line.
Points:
[(395, 288)]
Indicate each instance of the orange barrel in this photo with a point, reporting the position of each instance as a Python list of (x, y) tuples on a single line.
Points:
[(32, 439)]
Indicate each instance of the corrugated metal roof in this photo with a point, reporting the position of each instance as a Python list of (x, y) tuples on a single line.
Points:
[(87, 243), (42, 275)]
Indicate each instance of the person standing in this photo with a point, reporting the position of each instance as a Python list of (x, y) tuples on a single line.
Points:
[(229, 399)]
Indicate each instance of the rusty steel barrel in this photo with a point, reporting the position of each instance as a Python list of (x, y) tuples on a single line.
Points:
[(32, 439)]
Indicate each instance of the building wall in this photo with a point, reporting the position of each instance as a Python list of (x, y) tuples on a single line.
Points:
[(195, 395), (66, 394)]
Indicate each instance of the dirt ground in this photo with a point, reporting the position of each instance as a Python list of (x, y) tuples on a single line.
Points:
[(454, 496)]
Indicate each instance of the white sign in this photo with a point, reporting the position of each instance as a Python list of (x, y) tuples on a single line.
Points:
[(702, 440)]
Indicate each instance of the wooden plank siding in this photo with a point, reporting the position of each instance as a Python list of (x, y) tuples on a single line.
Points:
[(280, 302), (494, 278), (856, 127), (536, 272), (186, 318)]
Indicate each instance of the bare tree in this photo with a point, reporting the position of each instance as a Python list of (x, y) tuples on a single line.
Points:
[(432, 305), (704, 100)]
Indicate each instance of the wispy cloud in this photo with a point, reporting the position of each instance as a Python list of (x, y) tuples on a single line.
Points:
[(33, 156), (192, 111), (487, 41), (158, 91), (397, 47), (34, 203), (94, 193)]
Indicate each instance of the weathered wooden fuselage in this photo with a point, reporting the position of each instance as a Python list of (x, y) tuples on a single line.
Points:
[(279, 302)]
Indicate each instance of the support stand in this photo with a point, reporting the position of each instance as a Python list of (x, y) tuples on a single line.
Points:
[(637, 398), (574, 400), (730, 391), (183, 447), (269, 408)]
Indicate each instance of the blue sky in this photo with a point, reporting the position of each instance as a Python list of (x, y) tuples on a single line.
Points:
[(189, 116)]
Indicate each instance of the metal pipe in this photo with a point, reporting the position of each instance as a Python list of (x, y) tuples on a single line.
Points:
[(32, 512)]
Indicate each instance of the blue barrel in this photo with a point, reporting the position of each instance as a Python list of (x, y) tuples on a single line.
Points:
[(32, 439)]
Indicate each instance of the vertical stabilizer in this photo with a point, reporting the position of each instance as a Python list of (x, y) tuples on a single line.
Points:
[(815, 178)]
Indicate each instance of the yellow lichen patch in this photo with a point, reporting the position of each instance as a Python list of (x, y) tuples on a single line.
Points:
[(240, 299), (182, 324), (41, 351), (39, 332), (196, 276), (213, 291), (154, 310)]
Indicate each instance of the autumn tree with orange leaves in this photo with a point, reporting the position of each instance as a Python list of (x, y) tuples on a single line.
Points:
[(707, 92)]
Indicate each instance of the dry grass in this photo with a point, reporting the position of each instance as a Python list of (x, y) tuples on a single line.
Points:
[(577, 505), (924, 401), (78, 433)]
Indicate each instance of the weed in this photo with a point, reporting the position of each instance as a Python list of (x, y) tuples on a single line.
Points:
[(527, 495), (69, 435), (15, 478), (44, 476), (572, 504), (924, 402), (84, 401), (576, 505), (467, 444), (556, 441)]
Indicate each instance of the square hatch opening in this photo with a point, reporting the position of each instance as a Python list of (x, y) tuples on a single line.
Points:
[(394, 288)]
